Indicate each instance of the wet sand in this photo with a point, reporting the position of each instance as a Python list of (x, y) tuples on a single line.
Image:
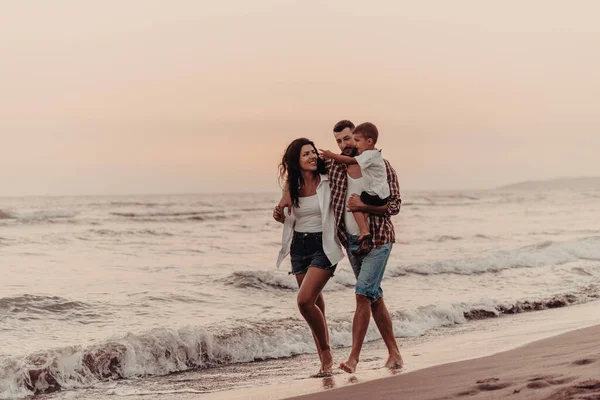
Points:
[(566, 366)]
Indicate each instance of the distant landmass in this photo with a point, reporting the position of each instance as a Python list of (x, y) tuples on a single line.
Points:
[(589, 182)]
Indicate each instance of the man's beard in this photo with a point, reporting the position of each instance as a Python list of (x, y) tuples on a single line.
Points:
[(350, 151)]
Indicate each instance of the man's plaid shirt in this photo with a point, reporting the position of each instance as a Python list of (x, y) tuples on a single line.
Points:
[(381, 226)]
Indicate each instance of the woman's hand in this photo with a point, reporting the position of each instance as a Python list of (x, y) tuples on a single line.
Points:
[(286, 202), (278, 214), (355, 203), (326, 154)]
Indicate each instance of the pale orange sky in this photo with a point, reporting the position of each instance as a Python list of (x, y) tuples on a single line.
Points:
[(141, 96)]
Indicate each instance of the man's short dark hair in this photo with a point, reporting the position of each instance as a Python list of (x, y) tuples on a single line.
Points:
[(368, 130), (343, 124)]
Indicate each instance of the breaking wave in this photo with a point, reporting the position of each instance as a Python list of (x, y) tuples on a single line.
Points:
[(165, 351), (542, 254)]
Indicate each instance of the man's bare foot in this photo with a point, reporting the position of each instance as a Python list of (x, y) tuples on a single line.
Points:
[(349, 366), (394, 361)]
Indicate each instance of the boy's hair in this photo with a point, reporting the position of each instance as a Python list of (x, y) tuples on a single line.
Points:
[(368, 130), (343, 124)]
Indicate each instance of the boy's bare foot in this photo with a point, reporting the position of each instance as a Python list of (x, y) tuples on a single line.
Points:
[(364, 247), (349, 366), (363, 236), (394, 361)]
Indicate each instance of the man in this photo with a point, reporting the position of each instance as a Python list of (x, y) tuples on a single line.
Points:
[(345, 181)]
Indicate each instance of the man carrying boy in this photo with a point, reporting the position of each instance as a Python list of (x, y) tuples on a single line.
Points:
[(376, 189), (346, 183)]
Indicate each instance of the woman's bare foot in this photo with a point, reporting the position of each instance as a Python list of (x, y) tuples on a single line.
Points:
[(322, 374), (349, 366), (394, 361), (326, 362)]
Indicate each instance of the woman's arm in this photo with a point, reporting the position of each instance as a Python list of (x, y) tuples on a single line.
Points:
[(278, 214), (286, 201), (393, 205)]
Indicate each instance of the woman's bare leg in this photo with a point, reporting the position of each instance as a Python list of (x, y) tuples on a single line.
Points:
[(321, 304), (312, 284)]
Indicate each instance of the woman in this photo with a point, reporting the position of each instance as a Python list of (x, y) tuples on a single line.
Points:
[(309, 235)]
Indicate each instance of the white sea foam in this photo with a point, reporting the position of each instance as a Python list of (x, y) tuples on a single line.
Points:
[(537, 255)]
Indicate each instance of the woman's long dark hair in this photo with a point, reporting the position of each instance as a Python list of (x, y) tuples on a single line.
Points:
[(289, 169)]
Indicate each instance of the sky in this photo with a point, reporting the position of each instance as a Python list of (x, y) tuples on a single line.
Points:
[(146, 96)]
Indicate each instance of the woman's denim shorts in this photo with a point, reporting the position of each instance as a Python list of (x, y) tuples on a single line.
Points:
[(307, 251)]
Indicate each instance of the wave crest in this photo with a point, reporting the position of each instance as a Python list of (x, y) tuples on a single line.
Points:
[(283, 281), (39, 304), (6, 215), (537, 255)]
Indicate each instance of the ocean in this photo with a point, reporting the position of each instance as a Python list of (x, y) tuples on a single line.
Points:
[(148, 295)]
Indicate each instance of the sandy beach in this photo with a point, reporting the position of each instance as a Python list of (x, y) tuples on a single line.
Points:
[(566, 366)]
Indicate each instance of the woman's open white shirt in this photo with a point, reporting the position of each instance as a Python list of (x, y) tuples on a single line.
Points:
[(331, 244)]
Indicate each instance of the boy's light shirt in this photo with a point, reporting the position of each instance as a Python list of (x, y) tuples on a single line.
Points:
[(373, 170)]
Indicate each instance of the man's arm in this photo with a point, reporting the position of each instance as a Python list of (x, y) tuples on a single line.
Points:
[(394, 201), (326, 154), (356, 204), (379, 210), (393, 205)]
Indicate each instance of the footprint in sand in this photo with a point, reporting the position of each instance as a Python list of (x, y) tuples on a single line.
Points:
[(488, 380), (541, 382), (589, 385), (494, 386), (590, 389), (538, 385), (488, 384), (584, 361), (560, 381), (468, 393)]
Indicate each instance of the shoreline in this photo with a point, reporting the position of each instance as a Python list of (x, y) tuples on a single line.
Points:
[(291, 377), (480, 339), (566, 366)]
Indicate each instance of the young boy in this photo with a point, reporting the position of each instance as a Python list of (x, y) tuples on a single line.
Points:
[(375, 185)]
